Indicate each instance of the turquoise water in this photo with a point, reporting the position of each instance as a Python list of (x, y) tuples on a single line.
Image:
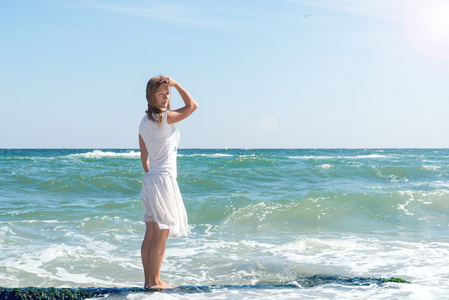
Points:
[(308, 221)]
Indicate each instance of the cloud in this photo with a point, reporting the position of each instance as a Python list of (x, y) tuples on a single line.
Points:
[(179, 14), (241, 83), (174, 13), (385, 9)]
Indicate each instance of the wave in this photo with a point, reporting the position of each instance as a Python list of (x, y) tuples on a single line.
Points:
[(279, 155), (323, 157), (430, 157), (206, 155), (109, 154), (79, 184), (326, 210), (52, 154)]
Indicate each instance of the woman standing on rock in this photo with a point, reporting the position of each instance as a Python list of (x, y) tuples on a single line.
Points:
[(165, 214)]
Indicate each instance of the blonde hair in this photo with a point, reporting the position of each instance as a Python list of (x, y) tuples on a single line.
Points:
[(154, 113)]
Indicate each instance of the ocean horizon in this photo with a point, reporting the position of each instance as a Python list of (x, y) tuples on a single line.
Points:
[(300, 223)]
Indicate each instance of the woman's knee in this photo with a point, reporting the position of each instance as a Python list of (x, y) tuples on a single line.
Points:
[(160, 235), (149, 232)]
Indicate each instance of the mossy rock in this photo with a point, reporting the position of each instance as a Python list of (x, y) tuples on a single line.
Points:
[(394, 279)]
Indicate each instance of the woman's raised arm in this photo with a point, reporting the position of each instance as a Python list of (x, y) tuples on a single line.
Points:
[(190, 105)]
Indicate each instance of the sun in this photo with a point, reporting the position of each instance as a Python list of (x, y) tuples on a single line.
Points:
[(428, 26)]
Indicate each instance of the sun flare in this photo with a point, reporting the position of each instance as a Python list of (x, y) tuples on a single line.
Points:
[(428, 26)]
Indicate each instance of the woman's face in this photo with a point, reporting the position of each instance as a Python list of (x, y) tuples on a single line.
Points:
[(162, 97)]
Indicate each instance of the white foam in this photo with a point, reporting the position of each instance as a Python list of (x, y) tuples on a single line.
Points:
[(313, 245), (404, 206), (102, 154), (201, 259), (80, 278), (338, 157), (439, 184), (206, 155), (156, 295), (6, 231), (421, 263), (325, 166), (42, 221), (430, 167)]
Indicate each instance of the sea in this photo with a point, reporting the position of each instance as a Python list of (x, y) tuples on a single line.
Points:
[(263, 224)]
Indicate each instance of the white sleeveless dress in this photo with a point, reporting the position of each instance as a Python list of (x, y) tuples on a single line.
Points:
[(161, 198)]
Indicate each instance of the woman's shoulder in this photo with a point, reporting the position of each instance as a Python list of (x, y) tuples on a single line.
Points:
[(144, 120), (144, 123)]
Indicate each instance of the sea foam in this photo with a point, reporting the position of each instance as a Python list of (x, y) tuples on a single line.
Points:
[(97, 154)]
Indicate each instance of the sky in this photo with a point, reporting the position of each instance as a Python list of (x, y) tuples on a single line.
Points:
[(265, 73)]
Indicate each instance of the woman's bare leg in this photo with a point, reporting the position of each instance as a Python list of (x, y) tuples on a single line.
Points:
[(145, 252), (153, 250)]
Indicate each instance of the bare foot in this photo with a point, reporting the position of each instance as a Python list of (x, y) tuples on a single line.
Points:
[(162, 285), (159, 285)]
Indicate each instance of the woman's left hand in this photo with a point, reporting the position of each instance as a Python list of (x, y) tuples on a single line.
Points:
[(168, 80)]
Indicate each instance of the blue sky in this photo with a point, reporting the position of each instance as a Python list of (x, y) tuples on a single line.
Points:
[(266, 73)]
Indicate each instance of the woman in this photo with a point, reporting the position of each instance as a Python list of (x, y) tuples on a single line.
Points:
[(165, 214)]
